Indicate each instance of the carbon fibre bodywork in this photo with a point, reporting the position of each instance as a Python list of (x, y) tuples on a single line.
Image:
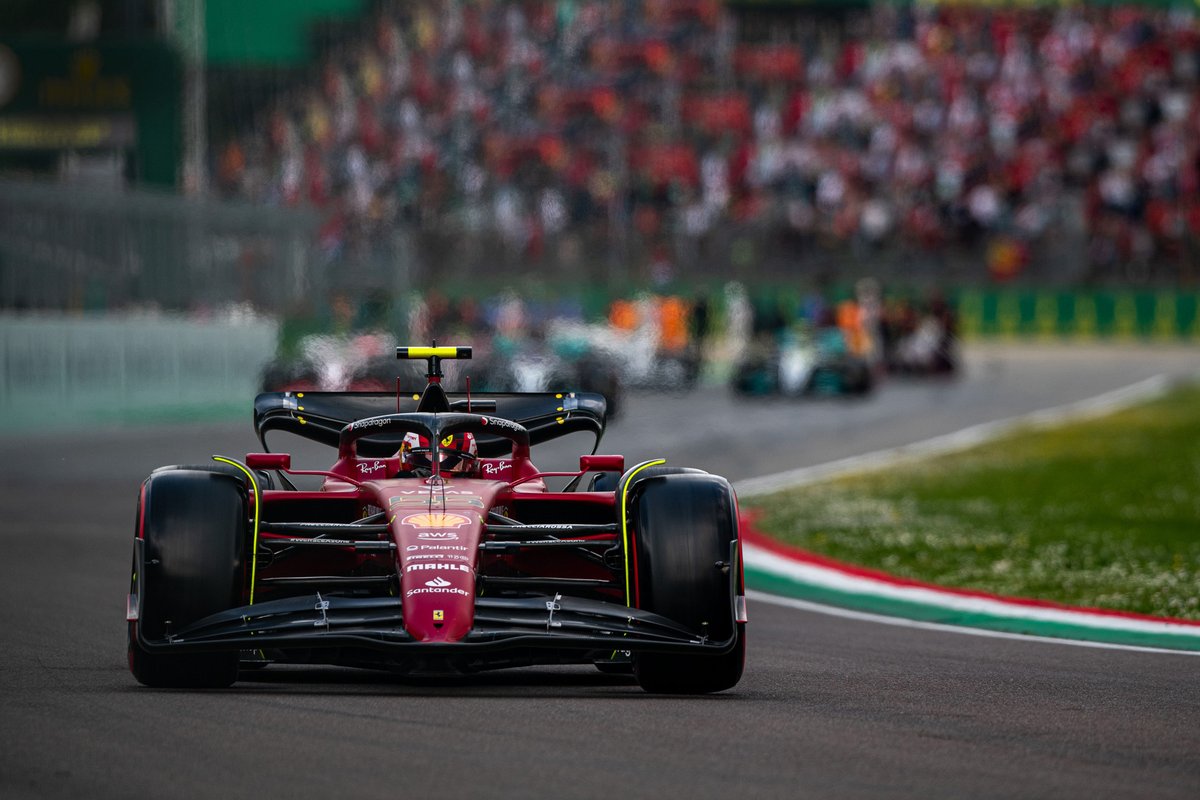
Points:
[(320, 416), (507, 632)]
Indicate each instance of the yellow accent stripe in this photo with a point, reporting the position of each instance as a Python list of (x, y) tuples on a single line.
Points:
[(429, 352), (625, 521), (257, 506)]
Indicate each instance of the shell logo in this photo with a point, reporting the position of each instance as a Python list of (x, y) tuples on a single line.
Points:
[(435, 519)]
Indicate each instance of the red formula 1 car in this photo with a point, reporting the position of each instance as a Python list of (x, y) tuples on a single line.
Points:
[(433, 546)]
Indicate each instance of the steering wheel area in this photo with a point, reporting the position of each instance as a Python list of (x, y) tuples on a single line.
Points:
[(434, 427), (459, 460)]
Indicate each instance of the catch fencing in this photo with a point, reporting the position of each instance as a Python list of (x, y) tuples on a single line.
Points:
[(62, 372), (68, 248)]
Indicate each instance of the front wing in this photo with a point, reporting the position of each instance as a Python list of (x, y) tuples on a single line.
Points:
[(554, 623)]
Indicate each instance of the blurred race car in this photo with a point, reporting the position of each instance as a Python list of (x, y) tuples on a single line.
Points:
[(929, 349), (433, 545), (797, 366), (920, 339), (527, 364), (329, 362), (550, 363), (636, 356)]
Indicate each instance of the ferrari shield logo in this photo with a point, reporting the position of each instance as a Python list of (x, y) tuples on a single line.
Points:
[(435, 519), (439, 615)]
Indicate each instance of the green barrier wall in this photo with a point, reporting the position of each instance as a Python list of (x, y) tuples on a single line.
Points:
[(1129, 315)]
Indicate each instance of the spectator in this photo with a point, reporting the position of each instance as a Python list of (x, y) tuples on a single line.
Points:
[(942, 125)]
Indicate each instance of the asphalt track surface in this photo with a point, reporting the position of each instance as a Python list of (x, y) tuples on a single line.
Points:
[(828, 707)]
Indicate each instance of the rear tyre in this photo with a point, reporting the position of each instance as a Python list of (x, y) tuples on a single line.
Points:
[(755, 379), (856, 377), (684, 526), (597, 376), (194, 544)]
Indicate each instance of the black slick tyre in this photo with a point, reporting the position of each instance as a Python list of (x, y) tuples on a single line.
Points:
[(193, 530), (684, 526)]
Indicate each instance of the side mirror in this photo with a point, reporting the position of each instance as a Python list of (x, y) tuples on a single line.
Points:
[(268, 461), (602, 464)]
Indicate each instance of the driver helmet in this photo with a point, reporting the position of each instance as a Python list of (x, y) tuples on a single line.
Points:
[(457, 452)]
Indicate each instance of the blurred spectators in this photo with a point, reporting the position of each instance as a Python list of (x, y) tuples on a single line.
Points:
[(989, 129)]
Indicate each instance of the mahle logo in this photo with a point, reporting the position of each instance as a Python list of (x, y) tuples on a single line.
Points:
[(438, 566)]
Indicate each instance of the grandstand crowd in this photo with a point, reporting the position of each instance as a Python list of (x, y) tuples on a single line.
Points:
[(927, 127)]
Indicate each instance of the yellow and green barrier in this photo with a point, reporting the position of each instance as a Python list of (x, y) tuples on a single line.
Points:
[(1116, 315)]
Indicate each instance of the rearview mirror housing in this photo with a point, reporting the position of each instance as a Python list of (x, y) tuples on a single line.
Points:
[(268, 461), (602, 464)]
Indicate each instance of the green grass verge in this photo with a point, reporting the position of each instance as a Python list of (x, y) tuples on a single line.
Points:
[(1100, 513)]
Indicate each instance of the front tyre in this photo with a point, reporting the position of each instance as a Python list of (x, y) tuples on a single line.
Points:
[(193, 532), (685, 526)]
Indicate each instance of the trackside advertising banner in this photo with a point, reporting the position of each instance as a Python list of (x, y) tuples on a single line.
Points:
[(1162, 315)]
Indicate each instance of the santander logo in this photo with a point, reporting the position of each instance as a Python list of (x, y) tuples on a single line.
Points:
[(438, 583)]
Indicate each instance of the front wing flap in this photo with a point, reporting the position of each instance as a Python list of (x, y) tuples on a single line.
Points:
[(316, 621), (555, 622)]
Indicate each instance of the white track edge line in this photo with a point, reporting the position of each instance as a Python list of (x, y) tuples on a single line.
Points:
[(825, 577), (902, 622), (971, 436), (1087, 408)]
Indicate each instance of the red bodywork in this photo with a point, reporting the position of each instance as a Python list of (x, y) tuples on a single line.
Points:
[(437, 525), (384, 565)]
